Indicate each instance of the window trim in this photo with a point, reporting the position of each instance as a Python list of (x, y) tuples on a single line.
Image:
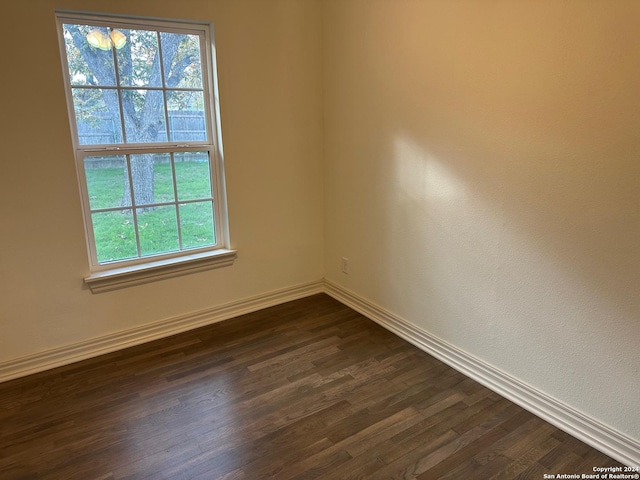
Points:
[(122, 273)]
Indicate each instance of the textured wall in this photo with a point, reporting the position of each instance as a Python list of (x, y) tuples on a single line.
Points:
[(269, 62), (482, 177)]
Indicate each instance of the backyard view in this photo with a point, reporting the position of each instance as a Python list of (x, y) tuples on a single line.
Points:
[(131, 88), (165, 227)]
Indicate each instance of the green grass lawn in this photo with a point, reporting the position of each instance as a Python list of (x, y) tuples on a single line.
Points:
[(115, 231)]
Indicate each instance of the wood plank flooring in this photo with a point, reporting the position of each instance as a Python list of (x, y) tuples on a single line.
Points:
[(307, 389)]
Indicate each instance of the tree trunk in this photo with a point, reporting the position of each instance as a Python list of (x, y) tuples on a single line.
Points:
[(142, 176)]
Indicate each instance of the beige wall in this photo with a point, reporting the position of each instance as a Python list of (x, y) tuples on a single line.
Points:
[(269, 60), (483, 178)]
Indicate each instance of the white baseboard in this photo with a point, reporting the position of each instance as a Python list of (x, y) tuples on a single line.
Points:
[(57, 357), (603, 438)]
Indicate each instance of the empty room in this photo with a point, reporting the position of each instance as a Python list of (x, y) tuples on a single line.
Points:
[(334, 239)]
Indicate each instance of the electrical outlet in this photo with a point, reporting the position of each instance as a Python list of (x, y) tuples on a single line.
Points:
[(345, 265)]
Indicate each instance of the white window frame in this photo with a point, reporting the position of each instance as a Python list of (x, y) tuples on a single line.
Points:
[(109, 276)]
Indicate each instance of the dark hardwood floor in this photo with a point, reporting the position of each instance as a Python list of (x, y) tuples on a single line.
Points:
[(308, 389)]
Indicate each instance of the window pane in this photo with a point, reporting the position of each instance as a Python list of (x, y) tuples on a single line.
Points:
[(138, 59), (89, 55), (144, 119), (181, 60), (196, 223), (152, 178), (115, 236), (186, 116), (97, 116), (158, 230), (106, 181), (192, 175)]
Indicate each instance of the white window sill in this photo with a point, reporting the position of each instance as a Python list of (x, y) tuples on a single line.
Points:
[(106, 280)]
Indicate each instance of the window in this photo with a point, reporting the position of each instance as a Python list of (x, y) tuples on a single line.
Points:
[(145, 128)]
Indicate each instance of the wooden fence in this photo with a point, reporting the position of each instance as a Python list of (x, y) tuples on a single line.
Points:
[(184, 125)]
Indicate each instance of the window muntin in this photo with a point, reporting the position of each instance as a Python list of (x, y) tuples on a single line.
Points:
[(143, 125)]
